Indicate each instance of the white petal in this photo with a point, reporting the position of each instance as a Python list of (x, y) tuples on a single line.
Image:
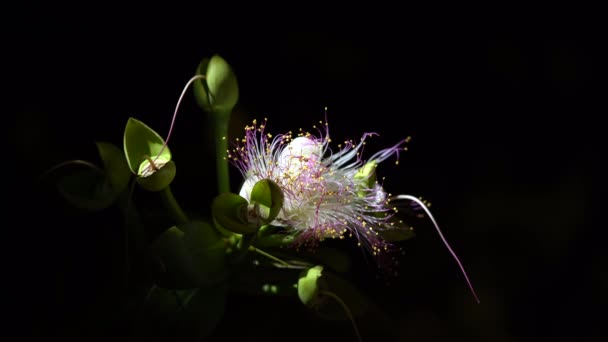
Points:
[(246, 188), (296, 154)]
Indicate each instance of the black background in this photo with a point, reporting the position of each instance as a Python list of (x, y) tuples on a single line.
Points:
[(506, 143)]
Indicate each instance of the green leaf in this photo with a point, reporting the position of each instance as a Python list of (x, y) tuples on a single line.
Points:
[(202, 313), (256, 279), (333, 258), (189, 256), (115, 166), (160, 179), (269, 196), (87, 189), (180, 315), (218, 92), (356, 301), (230, 212), (274, 240), (142, 142), (269, 229), (308, 285), (397, 234)]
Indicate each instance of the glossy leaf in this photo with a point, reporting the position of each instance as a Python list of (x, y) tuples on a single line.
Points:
[(180, 315), (274, 240), (202, 313), (189, 256), (87, 189), (115, 166), (397, 234), (142, 142), (356, 301), (333, 258)]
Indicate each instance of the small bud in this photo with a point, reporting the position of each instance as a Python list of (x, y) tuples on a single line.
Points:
[(218, 92), (308, 285), (365, 178)]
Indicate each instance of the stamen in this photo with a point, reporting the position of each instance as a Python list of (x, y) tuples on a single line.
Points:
[(428, 212), (179, 101)]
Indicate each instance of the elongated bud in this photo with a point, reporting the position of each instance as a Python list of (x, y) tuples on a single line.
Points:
[(309, 285), (218, 92)]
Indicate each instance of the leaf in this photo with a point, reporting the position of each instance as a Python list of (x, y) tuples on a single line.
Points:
[(218, 92), (333, 258), (189, 256), (253, 278), (140, 141), (269, 196), (115, 166), (176, 315), (356, 301), (230, 212), (87, 189), (202, 313), (269, 229), (397, 234)]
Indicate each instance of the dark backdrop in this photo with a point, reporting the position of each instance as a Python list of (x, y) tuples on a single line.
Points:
[(506, 144)]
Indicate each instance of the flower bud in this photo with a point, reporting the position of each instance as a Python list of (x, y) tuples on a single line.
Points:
[(218, 92)]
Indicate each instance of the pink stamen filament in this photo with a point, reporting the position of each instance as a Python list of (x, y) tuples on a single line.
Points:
[(179, 101), (428, 212)]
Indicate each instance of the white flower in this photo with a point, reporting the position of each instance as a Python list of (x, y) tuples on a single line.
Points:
[(326, 194)]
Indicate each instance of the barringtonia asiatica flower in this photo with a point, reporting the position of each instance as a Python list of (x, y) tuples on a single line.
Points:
[(328, 194)]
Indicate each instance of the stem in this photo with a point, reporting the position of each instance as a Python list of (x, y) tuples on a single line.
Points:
[(221, 121), (245, 241), (129, 225), (269, 256), (170, 203), (242, 247), (345, 307)]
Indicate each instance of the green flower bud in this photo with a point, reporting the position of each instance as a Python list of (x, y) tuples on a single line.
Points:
[(309, 284), (218, 92)]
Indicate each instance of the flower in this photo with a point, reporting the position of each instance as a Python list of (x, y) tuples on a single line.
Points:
[(327, 194)]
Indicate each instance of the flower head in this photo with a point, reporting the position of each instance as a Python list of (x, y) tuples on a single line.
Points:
[(327, 194)]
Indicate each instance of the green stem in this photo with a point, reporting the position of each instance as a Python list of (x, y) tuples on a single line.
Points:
[(269, 256), (242, 247), (245, 241), (221, 121), (174, 209), (345, 307)]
